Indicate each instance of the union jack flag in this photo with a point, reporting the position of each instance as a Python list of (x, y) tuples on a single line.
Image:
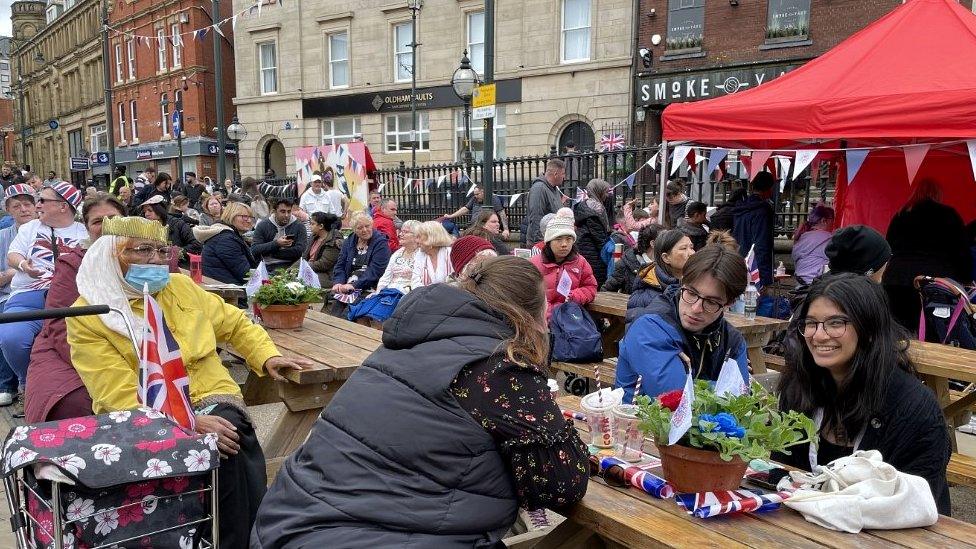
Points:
[(754, 276), (710, 504), (611, 142), (163, 382)]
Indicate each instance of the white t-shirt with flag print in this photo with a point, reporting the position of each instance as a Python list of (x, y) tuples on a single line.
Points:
[(33, 241)]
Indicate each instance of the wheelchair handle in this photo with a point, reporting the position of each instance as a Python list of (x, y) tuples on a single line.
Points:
[(45, 314)]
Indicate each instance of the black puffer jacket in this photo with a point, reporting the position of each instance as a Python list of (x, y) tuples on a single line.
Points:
[(624, 273), (592, 233), (909, 431), (394, 460)]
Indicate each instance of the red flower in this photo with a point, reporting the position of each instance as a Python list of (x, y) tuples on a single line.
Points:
[(156, 446), (176, 484), (670, 399), (141, 489), (130, 513), (81, 427), (141, 421), (47, 438)]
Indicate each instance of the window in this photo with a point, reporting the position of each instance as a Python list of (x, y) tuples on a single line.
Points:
[(336, 131), (476, 41), (4, 66), (339, 60), (399, 134), (177, 45), (130, 49), (68, 4), (134, 121), (161, 41), (164, 114), (97, 138), (122, 122), (788, 20), (52, 13), (686, 24), (402, 57), (5, 78), (576, 30), (478, 135), (118, 62), (76, 143), (268, 54)]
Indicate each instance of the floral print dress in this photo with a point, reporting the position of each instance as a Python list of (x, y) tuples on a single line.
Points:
[(545, 455)]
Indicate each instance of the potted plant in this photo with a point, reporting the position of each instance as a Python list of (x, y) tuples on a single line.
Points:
[(283, 300), (726, 433)]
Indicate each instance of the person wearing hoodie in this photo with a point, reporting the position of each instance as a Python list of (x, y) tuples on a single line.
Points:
[(544, 198), (226, 255), (685, 328), (442, 434), (567, 275), (694, 225), (625, 273), (593, 227), (752, 226), (672, 250), (281, 239), (676, 203)]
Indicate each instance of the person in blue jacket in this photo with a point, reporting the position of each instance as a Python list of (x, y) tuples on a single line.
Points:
[(362, 261), (686, 320), (226, 256)]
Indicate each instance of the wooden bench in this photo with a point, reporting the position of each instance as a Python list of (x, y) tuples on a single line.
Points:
[(611, 307), (962, 470)]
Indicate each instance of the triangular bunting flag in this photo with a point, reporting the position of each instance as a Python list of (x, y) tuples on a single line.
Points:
[(680, 152), (692, 158), (714, 158), (803, 159), (380, 188), (784, 171), (233, 23), (471, 189), (914, 155), (971, 145), (515, 197), (216, 28), (855, 159), (629, 180), (759, 159), (746, 162), (652, 161)]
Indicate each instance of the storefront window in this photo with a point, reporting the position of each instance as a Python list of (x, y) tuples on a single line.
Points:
[(686, 24), (398, 132), (98, 138), (478, 135), (340, 130), (788, 20)]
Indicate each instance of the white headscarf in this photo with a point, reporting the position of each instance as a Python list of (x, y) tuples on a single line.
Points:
[(101, 282)]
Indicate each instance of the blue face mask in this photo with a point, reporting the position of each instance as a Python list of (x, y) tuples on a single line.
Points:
[(156, 276)]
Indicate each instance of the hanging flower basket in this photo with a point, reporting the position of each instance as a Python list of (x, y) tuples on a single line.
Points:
[(283, 316)]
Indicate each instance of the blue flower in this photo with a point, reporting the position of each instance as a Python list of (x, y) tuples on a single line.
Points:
[(724, 423)]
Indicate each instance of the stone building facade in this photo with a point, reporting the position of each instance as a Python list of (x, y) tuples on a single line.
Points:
[(709, 49), (330, 73), (157, 58), (57, 59)]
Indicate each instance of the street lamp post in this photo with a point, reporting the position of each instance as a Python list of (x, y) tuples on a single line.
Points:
[(464, 81), (219, 90), (415, 137), (236, 132)]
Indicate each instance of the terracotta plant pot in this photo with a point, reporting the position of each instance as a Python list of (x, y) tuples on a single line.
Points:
[(283, 316), (696, 470)]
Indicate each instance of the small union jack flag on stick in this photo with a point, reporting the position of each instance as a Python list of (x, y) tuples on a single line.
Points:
[(164, 384), (754, 276)]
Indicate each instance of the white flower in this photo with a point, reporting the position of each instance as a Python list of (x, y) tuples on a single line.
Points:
[(156, 468), (186, 542), (80, 508), (120, 417), (295, 287), (149, 504), (69, 539), (108, 453), (210, 440), (20, 433), (21, 456), (70, 463), (151, 413), (106, 520), (197, 461)]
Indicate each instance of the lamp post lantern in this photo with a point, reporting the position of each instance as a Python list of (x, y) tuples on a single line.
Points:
[(236, 132), (464, 81)]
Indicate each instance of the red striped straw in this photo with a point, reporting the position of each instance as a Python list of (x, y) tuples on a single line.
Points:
[(637, 388), (599, 386)]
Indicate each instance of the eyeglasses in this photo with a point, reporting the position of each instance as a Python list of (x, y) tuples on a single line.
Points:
[(244, 217), (709, 305), (42, 200), (147, 251), (833, 327)]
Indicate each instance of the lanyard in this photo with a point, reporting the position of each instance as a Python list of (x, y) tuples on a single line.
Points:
[(817, 421)]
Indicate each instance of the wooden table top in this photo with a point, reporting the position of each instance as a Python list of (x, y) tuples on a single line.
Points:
[(615, 304), (635, 519)]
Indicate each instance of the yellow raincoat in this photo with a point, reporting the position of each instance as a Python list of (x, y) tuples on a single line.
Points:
[(108, 366)]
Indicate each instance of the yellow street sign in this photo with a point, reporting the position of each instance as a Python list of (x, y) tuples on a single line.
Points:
[(484, 96)]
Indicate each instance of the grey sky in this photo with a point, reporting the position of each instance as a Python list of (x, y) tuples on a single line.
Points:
[(5, 29)]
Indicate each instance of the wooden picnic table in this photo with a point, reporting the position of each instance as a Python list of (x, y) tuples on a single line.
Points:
[(612, 307), (615, 517), (336, 347), (230, 293)]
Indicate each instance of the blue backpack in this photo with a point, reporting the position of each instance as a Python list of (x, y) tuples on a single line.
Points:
[(574, 335)]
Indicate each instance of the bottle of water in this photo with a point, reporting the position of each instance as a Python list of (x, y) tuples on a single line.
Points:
[(751, 298)]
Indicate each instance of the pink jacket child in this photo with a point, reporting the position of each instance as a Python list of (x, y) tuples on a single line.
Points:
[(583, 288)]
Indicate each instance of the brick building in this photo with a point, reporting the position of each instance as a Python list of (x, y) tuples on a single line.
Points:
[(156, 59), (8, 151), (708, 49)]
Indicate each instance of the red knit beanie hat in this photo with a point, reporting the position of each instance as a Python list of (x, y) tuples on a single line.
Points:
[(465, 248)]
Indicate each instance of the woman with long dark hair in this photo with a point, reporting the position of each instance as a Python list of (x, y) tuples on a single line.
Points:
[(442, 432), (323, 249), (489, 226), (847, 366), (672, 249), (593, 227)]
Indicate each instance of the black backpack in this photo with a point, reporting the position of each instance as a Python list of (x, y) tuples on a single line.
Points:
[(575, 337)]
